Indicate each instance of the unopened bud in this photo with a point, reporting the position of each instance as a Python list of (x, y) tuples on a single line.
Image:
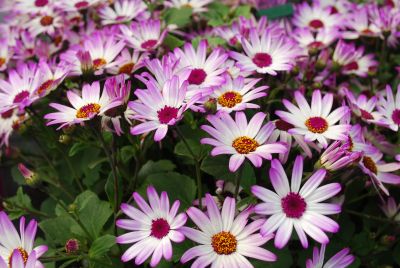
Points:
[(68, 129), (320, 65), (295, 70), (211, 105), (388, 240), (336, 66), (72, 208), (316, 85), (72, 246), (64, 139), (31, 177)]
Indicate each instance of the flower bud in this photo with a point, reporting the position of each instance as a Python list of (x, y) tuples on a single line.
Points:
[(211, 105), (72, 246), (31, 178), (64, 139), (388, 240)]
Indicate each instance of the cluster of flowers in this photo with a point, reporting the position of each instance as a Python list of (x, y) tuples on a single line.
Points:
[(103, 48)]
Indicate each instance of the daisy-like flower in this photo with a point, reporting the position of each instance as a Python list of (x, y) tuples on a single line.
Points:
[(362, 106), (144, 35), (316, 122), (17, 259), (359, 24), (159, 108), (5, 54), (314, 42), (123, 11), (391, 209), (205, 71), (351, 60), (12, 243), (127, 63), (336, 6), (342, 259), (337, 156), (33, 6), (10, 121), (387, 20), (241, 139), (235, 94), (196, 5), (50, 76), (152, 228), (47, 21), (316, 17), (76, 5), (389, 109), (225, 240), (84, 108), (292, 206), (267, 54), (380, 171)]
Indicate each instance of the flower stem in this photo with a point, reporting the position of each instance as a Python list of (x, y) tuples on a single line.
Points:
[(369, 217), (238, 179)]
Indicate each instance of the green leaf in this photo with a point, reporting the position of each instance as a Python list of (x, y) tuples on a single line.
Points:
[(58, 230), (396, 254), (77, 147), (152, 167), (242, 11), (101, 245), (276, 12), (109, 189), (172, 42), (179, 17), (19, 205), (196, 147), (126, 153), (362, 244)]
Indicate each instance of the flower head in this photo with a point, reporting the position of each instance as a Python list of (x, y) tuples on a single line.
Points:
[(196, 5), (389, 109), (338, 156), (342, 259), (123, 11)]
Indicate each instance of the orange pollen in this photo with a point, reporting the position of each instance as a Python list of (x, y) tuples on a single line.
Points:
[(126, 68), (370, 164), (98, 63), (351, 144), (316, 124), (57, 40), (245, 145), (44, 87), (224, 243), (230, 99), (2, 61), (88, 110), (24, 256), (46, 20)]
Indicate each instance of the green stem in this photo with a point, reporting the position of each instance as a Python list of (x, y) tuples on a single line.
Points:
[(369, 217), (238, 179)]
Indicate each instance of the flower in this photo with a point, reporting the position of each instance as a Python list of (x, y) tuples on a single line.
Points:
[(84, 108), (360, 24), (74, 5), (391, 209), (50, 77), (33, 6), (225, 240), (342, 259), (240, 139), (292, 206), (235, 94), (123, 11), (159, 108), (47, 21), (363, 107), (10, 121), (127, 63), (337, 156), (267, 54), (314, 42), (336, 6), (389, 109), (197, 6), (19, 247), (316, 122), (144, 35), (152, 228), (5, 54)]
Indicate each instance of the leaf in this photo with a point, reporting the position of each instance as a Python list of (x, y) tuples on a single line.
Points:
[(396, 254), (58, 230), (18, 205), (77, 147), (152, 167), (362, 244), (179, 17), (172, 41), (276, 12), (242, 11), (109, 189), (101, 245), (126, 153)]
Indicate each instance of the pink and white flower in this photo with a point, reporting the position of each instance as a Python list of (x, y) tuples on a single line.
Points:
[(50, 77), (391, 209), (76, 5), (389, 109), (225, 240), (152, 228), (17, 247), (123, 11), (127, 62), (315, 41), (360, 24), (342, 259), (10, 121), (47, 21), (316, 122), (240, 139), (294, 207), (5, 54), (85, 107), (338, 156), (363, 107), (196, 5)]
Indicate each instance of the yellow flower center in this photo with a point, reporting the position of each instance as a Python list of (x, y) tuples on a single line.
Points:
[(230, 99), (224, 243), (245, 145), (24, 256), (126, 68), (370, 164), (88, 110), (2, 61), (98, 63)]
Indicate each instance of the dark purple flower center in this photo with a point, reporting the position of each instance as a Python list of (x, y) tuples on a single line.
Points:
[(396, 116), (262, 60), (233, 41), (351, 66), (197, 77), (166, 114), (41, 3), (7, 114), (316, 124), (366, 115), (149, 44), (293, 205), (20, 97), (159, 228), (316, 24), (283, 125), (316, 45), (81, 4)]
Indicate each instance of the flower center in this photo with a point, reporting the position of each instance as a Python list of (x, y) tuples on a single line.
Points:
[(7, 114), (283, 125), (315, 45), (2, 61), (88, 110), (262, 60), (20, 97), (316, 24), (351, 66), (366, 115), (197, 76), (293, 205), (350, 144), (159, 228), (81, 4), (224, 243), (46, 20), (245, 145), (230, 99), (166, 114), (367, 32), (41, 3), (120, 18), (149, 44), (233, 41), (24, 256), (57, 40), (126, 68), (98, 63), (316, 124), (45, 87), (396, 116), (334, 10), (370, 164)]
